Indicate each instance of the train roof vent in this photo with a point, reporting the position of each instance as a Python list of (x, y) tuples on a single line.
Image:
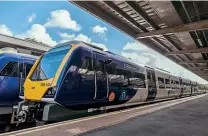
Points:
[(93, 46)]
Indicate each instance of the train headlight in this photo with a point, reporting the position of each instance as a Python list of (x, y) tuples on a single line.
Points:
[(50, 92)]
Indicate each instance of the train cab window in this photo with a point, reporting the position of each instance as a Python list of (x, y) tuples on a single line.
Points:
[(167, 83), (161, 83), (9, 69)]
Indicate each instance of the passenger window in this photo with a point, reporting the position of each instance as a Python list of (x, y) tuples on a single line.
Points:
[(161, 83), (167, 83), (138, 80), (9, 69), (123, 77)]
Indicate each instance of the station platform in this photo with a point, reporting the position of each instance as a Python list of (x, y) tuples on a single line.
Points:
[(185, 116)]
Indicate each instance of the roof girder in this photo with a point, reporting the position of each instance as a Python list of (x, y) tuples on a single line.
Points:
[(195, 26), (188, 51)]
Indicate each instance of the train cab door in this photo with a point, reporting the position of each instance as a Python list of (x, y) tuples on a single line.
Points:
[(151, 81), (101, 89)]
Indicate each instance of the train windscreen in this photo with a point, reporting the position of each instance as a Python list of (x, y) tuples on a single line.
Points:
[(50, 63)]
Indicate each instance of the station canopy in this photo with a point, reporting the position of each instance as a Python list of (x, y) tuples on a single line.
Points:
[(176, 29)]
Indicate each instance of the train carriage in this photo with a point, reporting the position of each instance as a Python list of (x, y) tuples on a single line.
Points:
[(14, 68), (78, 76)]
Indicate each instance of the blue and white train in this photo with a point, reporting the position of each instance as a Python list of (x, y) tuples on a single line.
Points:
[(79, 76)]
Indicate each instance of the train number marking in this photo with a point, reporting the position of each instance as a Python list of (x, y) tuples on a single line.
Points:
[(45, 84)]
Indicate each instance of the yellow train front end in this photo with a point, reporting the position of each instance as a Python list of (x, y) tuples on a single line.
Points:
[(40, 86), (41, 82)]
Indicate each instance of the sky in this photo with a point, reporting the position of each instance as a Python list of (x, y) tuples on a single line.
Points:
[(57, 22)]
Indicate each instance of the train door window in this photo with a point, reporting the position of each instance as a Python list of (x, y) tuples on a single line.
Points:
[(86, 66), (149, 75), (21, 69), (167, 83), (100, 66), (172, 84), (184, 84), (137, 80), (9, 69), (35, 75), (161, 83), (27, 69), (176, 84), (112, 76)]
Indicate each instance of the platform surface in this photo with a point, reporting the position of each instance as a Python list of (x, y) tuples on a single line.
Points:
[(181, 117), (187, 119)]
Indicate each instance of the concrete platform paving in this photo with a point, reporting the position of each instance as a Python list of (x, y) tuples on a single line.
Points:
[(186, 116), (187, 119)]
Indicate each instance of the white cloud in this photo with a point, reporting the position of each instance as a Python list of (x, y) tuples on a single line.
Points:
[(67, 36), (135, 46), (62, 19), (5, 30), (84, 38), (99, 29), (31, 18), (38, 32), (80, 37)]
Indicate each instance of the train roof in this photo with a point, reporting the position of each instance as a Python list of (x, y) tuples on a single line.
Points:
[(17, 55)]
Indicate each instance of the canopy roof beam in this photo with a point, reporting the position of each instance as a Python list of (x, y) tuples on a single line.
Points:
[(188, 51), (194, 61), (195, 26)]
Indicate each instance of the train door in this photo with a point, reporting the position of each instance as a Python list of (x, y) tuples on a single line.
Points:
[(181, 86), (191, 85), (151, 81), (23, 70), (101, 89), (21, 76)]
